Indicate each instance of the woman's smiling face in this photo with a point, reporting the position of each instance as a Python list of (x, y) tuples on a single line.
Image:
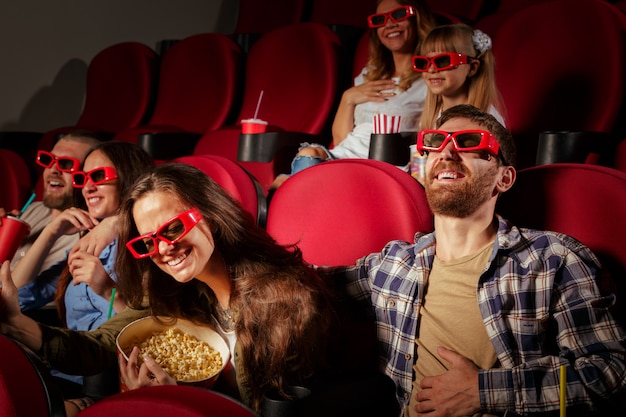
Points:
[(396, 36), (189, 257), (102, 200)]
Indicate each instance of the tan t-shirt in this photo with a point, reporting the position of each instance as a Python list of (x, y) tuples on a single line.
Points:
[(450, 317)]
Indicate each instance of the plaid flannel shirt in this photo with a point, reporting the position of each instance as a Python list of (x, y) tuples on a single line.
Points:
[(539, 303)]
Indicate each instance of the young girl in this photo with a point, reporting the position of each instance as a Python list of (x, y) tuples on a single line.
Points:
[(458, 67), (386, 85)]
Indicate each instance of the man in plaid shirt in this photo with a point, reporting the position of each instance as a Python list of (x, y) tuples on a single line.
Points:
[(477, 317)]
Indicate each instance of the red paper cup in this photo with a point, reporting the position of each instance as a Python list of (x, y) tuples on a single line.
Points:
[(12, 232), (249, 126)]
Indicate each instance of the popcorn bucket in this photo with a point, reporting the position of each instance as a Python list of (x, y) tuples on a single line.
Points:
[(140, 330)]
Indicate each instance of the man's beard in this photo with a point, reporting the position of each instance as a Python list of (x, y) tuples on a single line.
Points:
[(463, 199), (58, 202)]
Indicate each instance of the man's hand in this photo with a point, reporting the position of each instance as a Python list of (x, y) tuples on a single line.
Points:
[(4, 213), (454, 393), (9, 304)]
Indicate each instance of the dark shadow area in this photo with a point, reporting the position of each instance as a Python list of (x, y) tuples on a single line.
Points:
[(56, 105)]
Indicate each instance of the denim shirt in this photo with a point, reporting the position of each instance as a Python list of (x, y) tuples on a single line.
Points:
[(40, 292), (86, 310), (540, 306)]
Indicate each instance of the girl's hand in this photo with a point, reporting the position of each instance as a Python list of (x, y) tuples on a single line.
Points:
[(148, 374), (99, 237), (88, 268), (71, 221), (377, 91)]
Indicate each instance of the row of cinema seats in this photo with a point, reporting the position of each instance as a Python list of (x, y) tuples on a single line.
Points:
[(201, 95), (370, 203), (205, 84), (373, 203)]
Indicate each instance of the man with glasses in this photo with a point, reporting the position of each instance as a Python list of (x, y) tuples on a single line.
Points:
[(477, 318), (58, 194)]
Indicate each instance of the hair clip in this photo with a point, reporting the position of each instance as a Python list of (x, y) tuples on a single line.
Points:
[(482, 41)]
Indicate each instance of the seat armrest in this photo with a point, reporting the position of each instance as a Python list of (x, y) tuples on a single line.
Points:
[(168, 145), (575, 147), (263, 147), (392, 147)]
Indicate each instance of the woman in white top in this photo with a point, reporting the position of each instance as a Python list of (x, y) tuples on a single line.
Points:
[(387, 84)]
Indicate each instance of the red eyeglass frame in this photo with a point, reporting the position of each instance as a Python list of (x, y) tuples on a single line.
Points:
[(488, 142), (410, 11), (110, 173), (189, 219), (456, 59), (54, 158)]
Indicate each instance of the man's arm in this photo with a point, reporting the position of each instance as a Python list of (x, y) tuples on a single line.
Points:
[(70, 221), (572, 326)]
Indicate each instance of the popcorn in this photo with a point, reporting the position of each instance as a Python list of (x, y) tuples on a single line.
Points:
[(182, 356)]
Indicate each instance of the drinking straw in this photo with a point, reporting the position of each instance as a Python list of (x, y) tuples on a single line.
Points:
[(258, 104), (562, 391), (111, 303), (28, 203)]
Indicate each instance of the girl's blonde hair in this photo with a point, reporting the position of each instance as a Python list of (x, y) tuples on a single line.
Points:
[(380, 63), (482, 89)]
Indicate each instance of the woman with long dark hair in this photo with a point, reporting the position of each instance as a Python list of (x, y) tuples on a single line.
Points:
[(201, 257)]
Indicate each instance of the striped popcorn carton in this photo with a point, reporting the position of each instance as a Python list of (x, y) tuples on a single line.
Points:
[(386, 123)]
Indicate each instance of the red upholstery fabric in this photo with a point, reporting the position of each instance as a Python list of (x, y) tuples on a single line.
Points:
[(341, 210), (22, 391), (504, 5), (296, 67), (361, 54), (198, 84), (572, 199), (348, 12), (261, 16), (166, 401), (15, 180), (466, 10), (234, 179), (121, 80), (542, 88), (620, 156), (581, 200)]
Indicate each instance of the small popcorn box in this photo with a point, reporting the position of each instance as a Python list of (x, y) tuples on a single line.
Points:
[(386, 123)]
